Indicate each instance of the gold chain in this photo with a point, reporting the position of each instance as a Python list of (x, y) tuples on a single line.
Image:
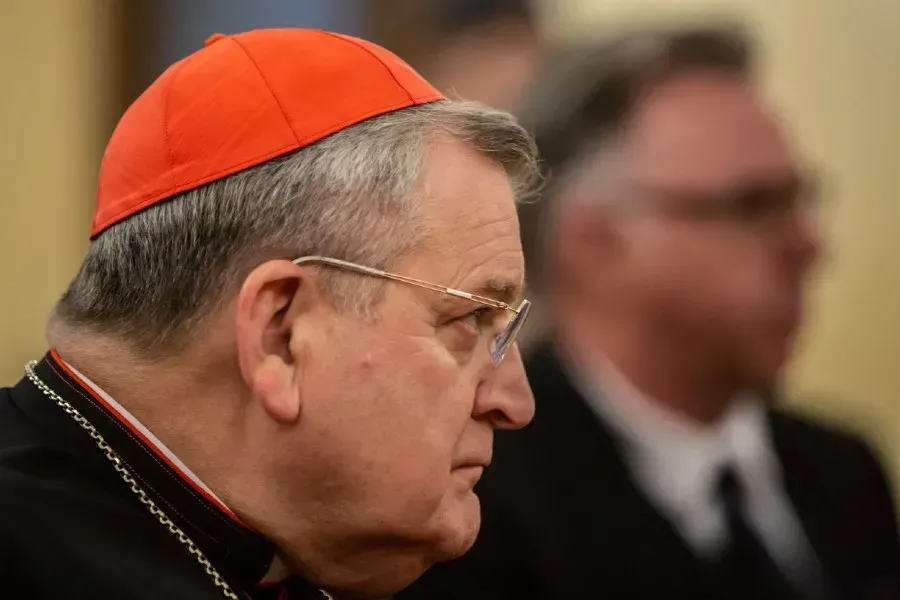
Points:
[(129, 479)]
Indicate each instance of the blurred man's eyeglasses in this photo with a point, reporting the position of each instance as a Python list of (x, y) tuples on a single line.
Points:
[(501, 344), (763, 204)]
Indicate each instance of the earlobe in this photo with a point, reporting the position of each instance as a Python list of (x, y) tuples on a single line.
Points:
[(274, 386)]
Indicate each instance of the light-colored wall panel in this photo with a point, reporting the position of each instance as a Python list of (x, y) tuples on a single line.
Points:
[(57, 81)]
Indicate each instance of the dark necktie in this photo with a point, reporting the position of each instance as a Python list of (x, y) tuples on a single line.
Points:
[(747, 570)]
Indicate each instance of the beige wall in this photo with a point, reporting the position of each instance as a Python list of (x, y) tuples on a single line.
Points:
[(54, 111), (834, 66)]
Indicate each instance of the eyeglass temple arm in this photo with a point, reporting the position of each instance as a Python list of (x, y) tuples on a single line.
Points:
[(402, 278)]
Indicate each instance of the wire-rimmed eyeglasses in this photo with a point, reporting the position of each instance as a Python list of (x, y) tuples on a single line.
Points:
[(500, 345)]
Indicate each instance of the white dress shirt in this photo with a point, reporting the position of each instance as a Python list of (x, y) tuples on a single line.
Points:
[(676, 461)]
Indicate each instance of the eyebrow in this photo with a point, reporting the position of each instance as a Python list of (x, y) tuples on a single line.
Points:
[(500, 289)]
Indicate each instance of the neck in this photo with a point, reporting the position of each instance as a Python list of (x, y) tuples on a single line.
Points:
[(178, 399), (671, 372)]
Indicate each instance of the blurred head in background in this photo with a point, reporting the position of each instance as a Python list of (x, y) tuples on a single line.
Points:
[(679, 229), (485, 50)]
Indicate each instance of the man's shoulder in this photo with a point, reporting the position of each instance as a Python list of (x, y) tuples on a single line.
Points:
[(68, 522), (45, 478), (39, 480), (797, 431), (836, 459), (28, 455)]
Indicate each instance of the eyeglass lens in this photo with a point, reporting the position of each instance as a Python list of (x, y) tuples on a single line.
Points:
[(505, 340)]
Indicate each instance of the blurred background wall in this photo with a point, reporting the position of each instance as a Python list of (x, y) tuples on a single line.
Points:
[(71, 66), (58, 103)]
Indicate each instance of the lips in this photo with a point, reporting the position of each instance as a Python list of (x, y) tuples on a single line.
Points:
[(472, 473), (473, 463)]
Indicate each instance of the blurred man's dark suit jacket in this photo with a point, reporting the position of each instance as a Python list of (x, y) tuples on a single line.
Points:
[(563, 519)]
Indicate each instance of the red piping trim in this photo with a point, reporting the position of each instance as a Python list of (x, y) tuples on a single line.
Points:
[(59, 361)]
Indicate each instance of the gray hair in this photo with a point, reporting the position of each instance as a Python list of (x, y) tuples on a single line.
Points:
[(153, 278), (584, 97)]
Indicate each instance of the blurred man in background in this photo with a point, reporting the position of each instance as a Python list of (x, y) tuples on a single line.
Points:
[(681, 232), (278, 371)]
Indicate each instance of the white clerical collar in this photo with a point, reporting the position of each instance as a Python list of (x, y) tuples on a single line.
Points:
[(123, 414)]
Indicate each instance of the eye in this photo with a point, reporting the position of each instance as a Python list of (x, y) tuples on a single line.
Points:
[(763, 201), (476, 320), (757, 203)]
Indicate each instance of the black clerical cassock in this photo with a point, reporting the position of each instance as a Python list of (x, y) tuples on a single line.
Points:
[(90, 508)]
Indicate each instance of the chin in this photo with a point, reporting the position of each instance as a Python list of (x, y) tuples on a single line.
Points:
[(768, 364), (458, 529), (375, 571), (386, 573), (373, 558), (766, 378)]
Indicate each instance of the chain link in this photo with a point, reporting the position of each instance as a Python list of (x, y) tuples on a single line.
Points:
[(128, 478)]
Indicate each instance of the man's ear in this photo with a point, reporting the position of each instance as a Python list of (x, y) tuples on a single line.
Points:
[(272, 297)]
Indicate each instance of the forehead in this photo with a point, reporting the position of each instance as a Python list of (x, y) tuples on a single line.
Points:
[(472, 230), (707, 127)]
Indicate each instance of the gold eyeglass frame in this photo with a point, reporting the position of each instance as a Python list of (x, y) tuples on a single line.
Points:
[(501, 344)]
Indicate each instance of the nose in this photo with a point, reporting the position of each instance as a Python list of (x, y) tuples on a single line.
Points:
[(504, 397)]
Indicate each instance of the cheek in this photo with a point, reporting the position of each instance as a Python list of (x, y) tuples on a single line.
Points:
[(712, 273), (744, 284), (433, 398), (419, 408), (404, 402)]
